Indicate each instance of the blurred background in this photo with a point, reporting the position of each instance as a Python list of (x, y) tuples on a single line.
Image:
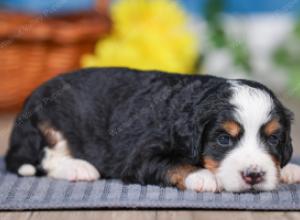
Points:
[(253, 39)]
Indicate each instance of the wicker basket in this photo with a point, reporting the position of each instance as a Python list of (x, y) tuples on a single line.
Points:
[(36, 48)]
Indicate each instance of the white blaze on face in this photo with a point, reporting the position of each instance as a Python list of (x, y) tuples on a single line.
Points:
[(253, 107)]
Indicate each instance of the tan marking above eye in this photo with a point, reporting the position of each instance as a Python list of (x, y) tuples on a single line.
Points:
[(232, 128), (271, 127)]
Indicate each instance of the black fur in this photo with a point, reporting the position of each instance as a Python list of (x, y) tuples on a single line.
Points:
[(129, 124)]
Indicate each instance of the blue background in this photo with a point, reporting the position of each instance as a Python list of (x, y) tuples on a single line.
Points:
[(194, 6)]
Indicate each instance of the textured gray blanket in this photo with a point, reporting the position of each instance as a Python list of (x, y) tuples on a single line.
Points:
[(31, 193)]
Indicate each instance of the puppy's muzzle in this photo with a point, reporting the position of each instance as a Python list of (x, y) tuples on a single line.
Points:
[(253, 175)]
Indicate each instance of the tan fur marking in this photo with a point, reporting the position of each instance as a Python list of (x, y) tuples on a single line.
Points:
[(271, 127), (211, 164), (232, 128), (277, 165), (178, 174), (52, 136)]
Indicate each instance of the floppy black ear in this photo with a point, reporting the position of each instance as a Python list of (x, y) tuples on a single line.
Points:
[(288, 147), (287, 152), (198, 137), (188, 139)]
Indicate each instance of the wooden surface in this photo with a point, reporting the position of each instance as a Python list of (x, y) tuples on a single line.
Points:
[(148, 215), (5, 128)]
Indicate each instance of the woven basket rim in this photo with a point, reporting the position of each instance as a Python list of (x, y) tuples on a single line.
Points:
[(70, 28)]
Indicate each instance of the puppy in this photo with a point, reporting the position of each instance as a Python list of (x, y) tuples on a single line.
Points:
[(194, 132)]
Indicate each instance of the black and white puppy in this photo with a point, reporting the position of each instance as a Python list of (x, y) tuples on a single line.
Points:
[(194, 132)]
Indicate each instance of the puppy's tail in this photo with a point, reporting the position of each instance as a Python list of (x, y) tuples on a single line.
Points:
[(26, 149)]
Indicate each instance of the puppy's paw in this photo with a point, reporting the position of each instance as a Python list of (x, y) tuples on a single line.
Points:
[(27, 170), (74, 170), (202, 181), (290, 174)]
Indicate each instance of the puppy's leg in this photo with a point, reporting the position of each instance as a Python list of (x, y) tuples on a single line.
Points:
[(58, 161), (290, 174), (187, 177), (26, 149)]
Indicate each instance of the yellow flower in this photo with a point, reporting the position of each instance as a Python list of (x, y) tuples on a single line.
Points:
[(148, 34)]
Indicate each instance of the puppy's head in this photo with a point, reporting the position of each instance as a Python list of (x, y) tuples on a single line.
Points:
[(247, 140)]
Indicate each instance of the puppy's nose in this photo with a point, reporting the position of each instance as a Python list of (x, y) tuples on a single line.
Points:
[(253, 176)]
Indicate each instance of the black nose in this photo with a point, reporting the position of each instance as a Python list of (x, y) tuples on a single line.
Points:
[(252, 176)]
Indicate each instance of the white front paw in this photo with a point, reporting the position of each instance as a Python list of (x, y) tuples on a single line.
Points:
[(290, 174), (74, 170), (202, 181)]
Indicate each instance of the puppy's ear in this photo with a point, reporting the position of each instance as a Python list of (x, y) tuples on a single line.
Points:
[(188, 139), (287, 152), (287, 147), (198, 137)]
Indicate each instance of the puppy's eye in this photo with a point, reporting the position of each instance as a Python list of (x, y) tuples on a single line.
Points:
[(224, 140), (273, 140)]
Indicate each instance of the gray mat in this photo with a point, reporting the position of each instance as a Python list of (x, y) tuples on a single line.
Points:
[(33, 193)]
